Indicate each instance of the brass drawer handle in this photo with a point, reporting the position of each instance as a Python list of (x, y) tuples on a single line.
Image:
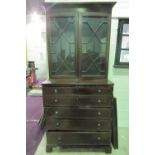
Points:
[(57, 124), (98, 124), (99, 90), (55, 100), (98, 138), (55, 90), (59, 138), (99, 113), (99, 101), (56, 112)]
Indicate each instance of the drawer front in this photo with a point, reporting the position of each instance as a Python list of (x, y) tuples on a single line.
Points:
[(78, 100), (78, 138), (57, 100), (59, 90), (95, 90), (78, 125), (95, 101), (78, 90), (57, 112)]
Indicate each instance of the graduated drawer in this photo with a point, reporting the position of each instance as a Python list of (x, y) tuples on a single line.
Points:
[(95, 90), (57, 112), (78, 100), (78, 90), (60, 100), (95, 100), (59, 90), (78, 138), (78, 124)]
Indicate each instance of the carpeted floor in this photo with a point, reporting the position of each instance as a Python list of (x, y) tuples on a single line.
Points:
[(34, 133)]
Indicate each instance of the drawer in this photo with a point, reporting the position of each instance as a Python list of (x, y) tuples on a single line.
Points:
[(78, 100), (95, 100), (78, 138), (57, 112), (78, 124), (59, 90), (57, 100), (95, 90)]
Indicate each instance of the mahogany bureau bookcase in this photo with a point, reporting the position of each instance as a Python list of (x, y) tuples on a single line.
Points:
[(79, 107)]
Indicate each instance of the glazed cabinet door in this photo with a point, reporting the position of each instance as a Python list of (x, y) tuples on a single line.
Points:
[(78, 44), (93, 44), (62, 44)]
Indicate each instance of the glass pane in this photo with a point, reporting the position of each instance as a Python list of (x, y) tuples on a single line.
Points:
[(124, 56), (63, 45), (125, 42), (125, 28), (93, 43)]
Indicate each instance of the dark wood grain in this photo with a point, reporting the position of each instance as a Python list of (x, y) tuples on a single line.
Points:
[(77, 82), (78, 138), (78, 100), (114, 126), (78, 124), (79, 109), (91, 113)]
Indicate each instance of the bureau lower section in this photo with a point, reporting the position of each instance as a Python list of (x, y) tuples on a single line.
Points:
[(80, 116)]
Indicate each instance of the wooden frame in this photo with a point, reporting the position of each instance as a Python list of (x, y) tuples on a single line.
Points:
[(49, 40), (95, 14), (78, 11), (89, 95)]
